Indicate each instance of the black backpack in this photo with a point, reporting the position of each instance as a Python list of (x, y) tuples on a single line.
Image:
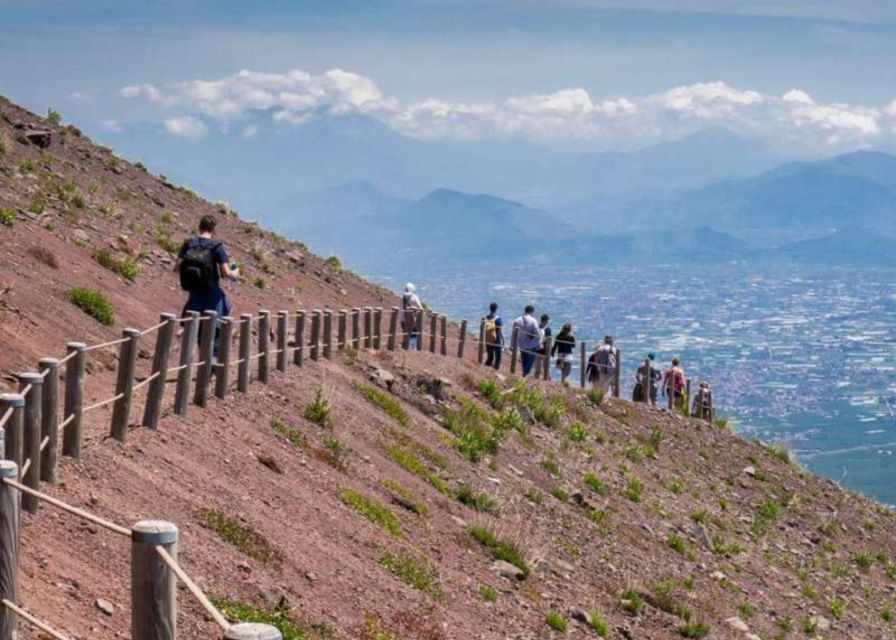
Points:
[(197, 267)]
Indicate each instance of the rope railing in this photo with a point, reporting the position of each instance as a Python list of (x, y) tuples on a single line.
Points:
[(103, 345), (34, 621), (102, 403), (193, 588)]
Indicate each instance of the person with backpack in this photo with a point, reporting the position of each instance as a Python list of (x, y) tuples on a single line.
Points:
[(201, 263), (647, 377), (563, 347), (674, 383), (544, 325), (529, 338), (601, 370), (410, 318), (494, 337)]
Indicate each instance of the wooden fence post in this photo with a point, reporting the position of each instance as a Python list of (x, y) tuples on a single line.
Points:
[(49, 419), (421, 323), (546, 359), (74, 398), (31, 436), (222, 377), (314, 350), (13, 436), (243, 376), (356, 328), (342, 330), (481, 355), (443, 328), (378, 328), (647, 381), (688, 392), (712, 410), (153, 583), (9, 549), (124, 385), (206, 357), (462, 338), (514, 348), (618, 375), (264, 347), (156, 391), (583, 363), (328, 334), (368, 327), (282, 341), (433, 331), (185, 375), (299, 342), (392, 338), (252, 631)]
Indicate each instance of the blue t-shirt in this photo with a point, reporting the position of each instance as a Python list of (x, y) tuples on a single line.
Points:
[(211, 299)]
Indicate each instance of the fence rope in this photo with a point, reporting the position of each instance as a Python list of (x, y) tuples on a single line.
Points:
[(176, 369), (212, 610), (102, 403), (43, 626), (68, 357), (25, 466), (59, 504), (44, 442), (143, 383), (6, 416), (26, 390), (66, 422), (103, 345), (155, 327)]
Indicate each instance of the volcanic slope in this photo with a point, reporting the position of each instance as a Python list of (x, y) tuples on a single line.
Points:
[(344, 509)]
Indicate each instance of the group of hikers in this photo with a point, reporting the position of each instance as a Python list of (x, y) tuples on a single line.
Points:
[(203, 262)]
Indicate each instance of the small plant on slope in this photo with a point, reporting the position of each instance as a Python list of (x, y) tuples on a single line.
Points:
[(556, 622), (93, 303), (318, 411), (372, 510), (501, 549)]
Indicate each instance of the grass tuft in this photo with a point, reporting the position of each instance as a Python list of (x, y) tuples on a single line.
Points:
[(279, 617), (240, 535), (412, 570), (372, 510), (319, 409), (501, 549), (479, 501), (125, 267), (556, 622), (93, 303), (384, 402)]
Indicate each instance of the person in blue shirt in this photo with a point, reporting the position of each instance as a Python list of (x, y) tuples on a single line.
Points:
[(202, 262), (494, 336)]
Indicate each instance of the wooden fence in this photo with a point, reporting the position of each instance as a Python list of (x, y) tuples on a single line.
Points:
[(32, 426)]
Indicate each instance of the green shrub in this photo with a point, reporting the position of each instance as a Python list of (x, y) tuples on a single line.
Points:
[(93, 303), (54, 117), (560, 493), (634, 489), (600, 625), (318, 411), (278, 617), (478, 501), (595, 396), (576, 432), (837, 608), (372, 510), (632, 601), (293, 435), (864, 560), (549, 464), (333, 263), (412, 570), (769, 511), (410, 462), (501, 549), (556, 622), (37, 206), (241, 536), (597, 485), (125, 267), (8, 216), (334, 452), (697, 630), (680, 545), (488, 593), (384, 402), (475, 435), (491, 392), (27, 166)]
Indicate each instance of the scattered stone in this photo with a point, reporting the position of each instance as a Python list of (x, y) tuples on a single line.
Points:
[(459, 521), (244, 566), (507, 570), (515, 470), (750, 471), (105, 606), (717, 575), (39, 138), (310, 576), (382, 378), (582, 616), (821, 623), (80, 235), (737, 624), (494, 480), (270, 463)]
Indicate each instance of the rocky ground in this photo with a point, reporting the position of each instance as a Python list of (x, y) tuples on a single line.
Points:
[(397, 495)]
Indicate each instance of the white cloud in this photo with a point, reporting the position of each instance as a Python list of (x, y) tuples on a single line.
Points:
[(793, 122), (112, 126), (186, 127), (249, 132)]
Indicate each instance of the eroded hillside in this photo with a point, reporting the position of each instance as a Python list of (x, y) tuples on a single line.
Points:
[(446, 504)]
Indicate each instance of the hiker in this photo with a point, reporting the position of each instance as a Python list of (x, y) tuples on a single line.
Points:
[(494, 337), (528, 339), (703, 403), (411, 313), (642, 379), (563, 347), (601, 371), (674, 383), (201, 263), (541, 365)]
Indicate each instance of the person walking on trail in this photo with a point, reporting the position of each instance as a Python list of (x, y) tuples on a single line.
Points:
[(674, 383), (544, 325), (411, 310), (529, 339), (703, 403), (645, 379), (602, 365), (563, 347), (201, 263), (494, 337)]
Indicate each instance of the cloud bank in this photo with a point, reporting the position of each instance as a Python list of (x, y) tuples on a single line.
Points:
[(793, 122)]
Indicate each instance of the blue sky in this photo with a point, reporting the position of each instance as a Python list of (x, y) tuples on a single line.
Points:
[(595, 73)]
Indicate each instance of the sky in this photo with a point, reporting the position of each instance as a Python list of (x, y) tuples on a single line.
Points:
[(810, 77)]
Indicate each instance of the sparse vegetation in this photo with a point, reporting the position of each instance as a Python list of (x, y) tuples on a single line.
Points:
[(408, 460), (372, 510), (769, 511), (44, 256), (8, 216), (837, 608), (550, 464), (54, 117), (382, 400), (501, 549), (333, 263), (698, 629), (125, 267), (93, 303), (491, 392), (334, 452), (479, 501), (27, 166), (412, 570), (279, 617), (634, 489), (318, 411), (240, 535), (680, 545), (632, 601), (560, 493), (556, 622), (407, 499), (596, 484), (595, 396), (488, 593), (293, 435), (599, 624)]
